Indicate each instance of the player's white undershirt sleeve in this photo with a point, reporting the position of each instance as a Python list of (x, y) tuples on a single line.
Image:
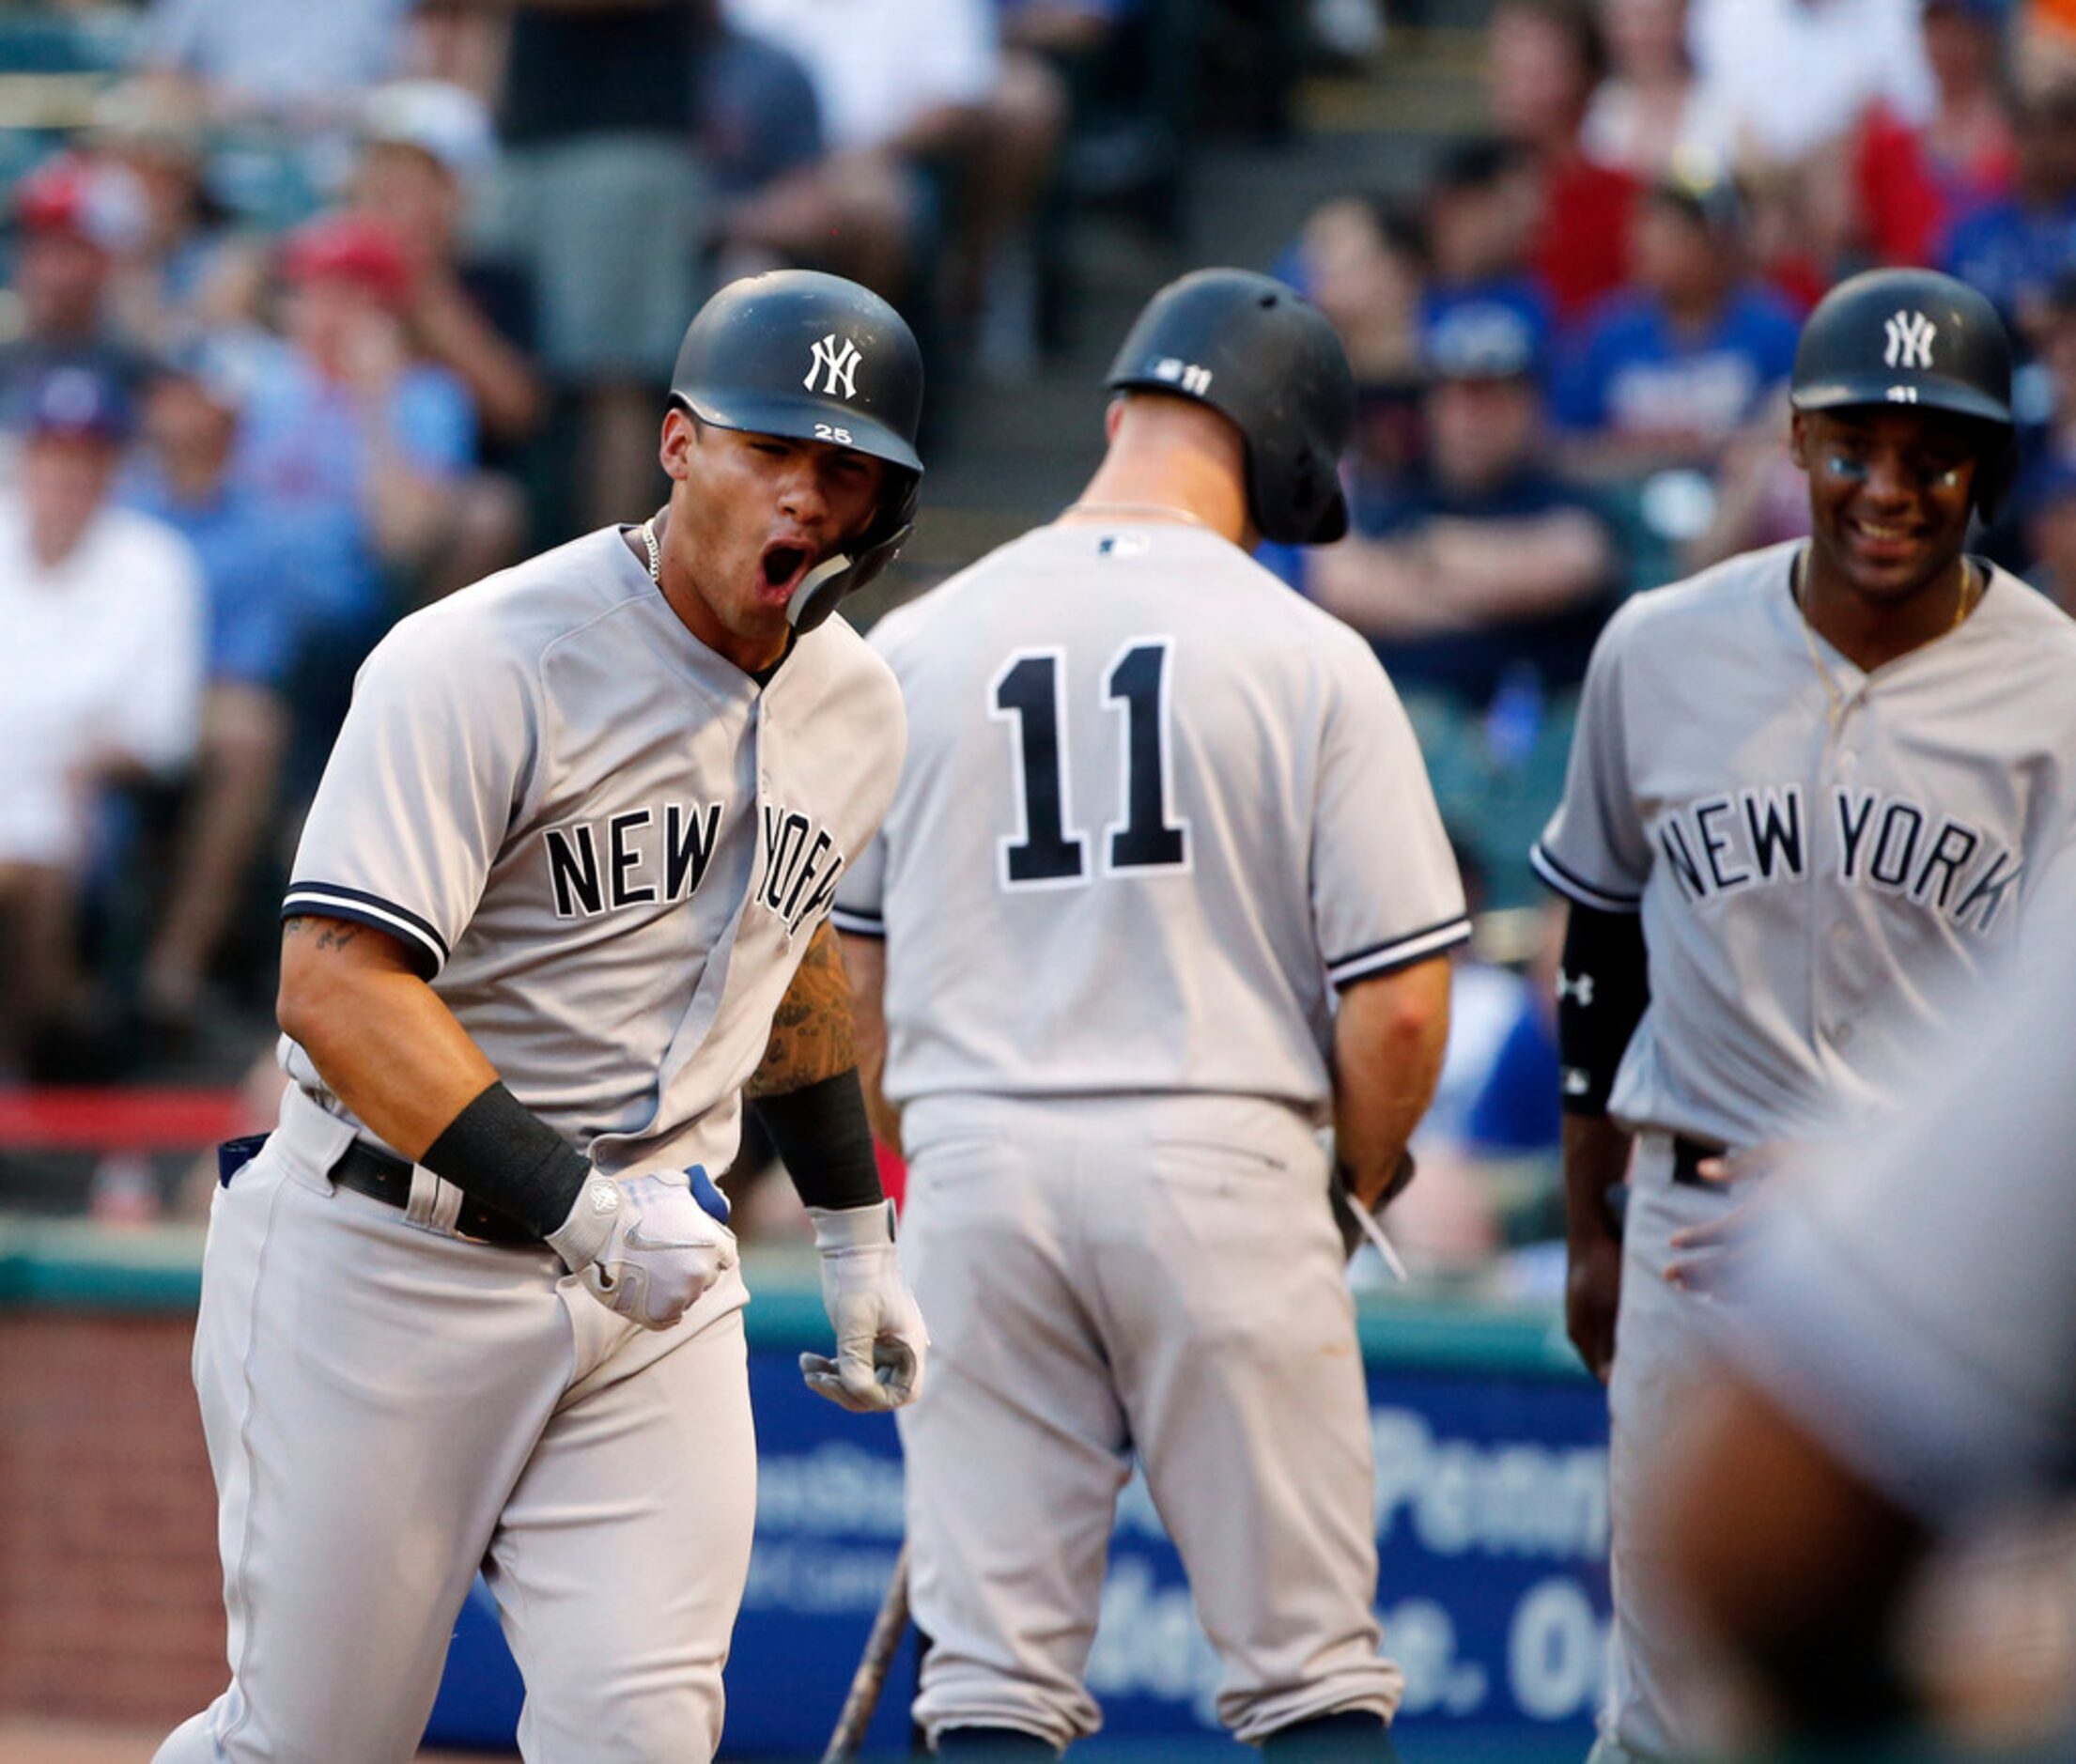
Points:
[(1914, 1305), (1385, 890), (429, 771), (1595, 850)]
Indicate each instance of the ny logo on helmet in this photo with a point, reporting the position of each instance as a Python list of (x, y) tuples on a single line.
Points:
[(838, 367), (1910, 341)]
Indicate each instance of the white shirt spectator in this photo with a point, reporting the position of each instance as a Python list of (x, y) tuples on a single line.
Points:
[(1613, 132), (877, 65), (1797, 74), (102, 663)]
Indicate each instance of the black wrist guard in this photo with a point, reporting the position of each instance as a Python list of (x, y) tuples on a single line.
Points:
[(497, 1151), (826, 1142), (1602, 991)]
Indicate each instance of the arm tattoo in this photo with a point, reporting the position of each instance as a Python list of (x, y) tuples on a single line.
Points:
[(332, 933), (811, 1034)]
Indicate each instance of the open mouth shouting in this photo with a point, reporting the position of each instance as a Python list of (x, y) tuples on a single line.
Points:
[(782, 566)]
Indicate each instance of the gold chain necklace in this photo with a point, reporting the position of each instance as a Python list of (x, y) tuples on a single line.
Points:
[(1798, 590)]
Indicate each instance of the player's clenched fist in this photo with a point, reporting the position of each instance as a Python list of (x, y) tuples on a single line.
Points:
[(880, 1340), (647, 1245)]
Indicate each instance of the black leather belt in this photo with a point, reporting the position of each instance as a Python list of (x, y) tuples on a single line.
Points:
[(1686, 1160), (384, 1177)]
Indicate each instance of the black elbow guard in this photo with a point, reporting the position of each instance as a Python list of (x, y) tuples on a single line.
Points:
[(1601, 995)]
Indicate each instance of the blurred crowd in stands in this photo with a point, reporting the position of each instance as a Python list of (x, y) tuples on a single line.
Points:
[(314, 313)]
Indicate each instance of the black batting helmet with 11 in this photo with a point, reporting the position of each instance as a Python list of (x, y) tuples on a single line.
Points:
[(1260, 354)]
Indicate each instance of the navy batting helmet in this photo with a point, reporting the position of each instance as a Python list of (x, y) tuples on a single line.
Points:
[(1263, 355), (814, 357), (1913, 339)]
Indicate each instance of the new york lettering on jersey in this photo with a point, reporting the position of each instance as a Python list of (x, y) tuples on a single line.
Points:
[(658, 851), (1760, 836)]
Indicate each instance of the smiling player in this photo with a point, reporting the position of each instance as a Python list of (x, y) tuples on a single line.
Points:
[(1812, 789)]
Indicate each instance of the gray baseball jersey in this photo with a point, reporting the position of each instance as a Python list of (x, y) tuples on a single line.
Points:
[(1157, 806), (1813, 882), (606, 847)]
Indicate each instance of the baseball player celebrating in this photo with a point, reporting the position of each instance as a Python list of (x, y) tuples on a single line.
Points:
[(1158, 812), (1812, 793), (560, 901)]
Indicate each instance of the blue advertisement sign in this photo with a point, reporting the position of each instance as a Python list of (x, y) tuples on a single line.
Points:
[(1492, 1519)]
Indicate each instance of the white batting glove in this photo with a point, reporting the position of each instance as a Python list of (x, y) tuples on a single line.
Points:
[(880, 1339), (647, 1245)]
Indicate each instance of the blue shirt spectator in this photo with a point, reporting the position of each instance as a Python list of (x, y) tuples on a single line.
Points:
[(252, 572), (306, 449), (1637, 373), (1481, 568), (1668, 372), (252, 553), (2015, 251), (1519, 1111)]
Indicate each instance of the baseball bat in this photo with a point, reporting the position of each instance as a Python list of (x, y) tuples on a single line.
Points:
[(873, 1665)]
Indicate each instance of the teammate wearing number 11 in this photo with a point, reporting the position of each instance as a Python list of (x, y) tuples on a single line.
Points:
[(1157, 813)]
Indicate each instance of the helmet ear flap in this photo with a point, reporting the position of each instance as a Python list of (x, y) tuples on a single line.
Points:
[(836, 578), (1996, 470)]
